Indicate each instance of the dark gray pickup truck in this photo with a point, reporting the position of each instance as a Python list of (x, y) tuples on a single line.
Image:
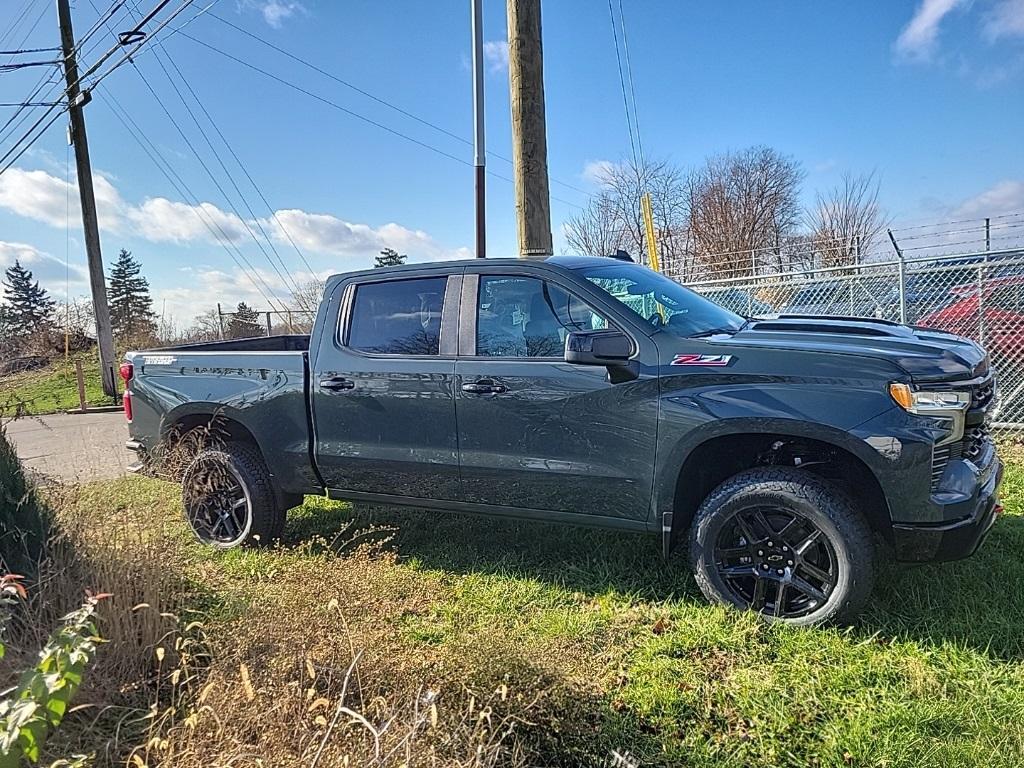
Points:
[(597, 392)]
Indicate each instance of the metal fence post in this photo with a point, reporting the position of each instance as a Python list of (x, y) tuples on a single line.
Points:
[(981, 302), (903, 276)]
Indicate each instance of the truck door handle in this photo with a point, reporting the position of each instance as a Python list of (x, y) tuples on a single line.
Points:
[(484, 387), (337, 383)]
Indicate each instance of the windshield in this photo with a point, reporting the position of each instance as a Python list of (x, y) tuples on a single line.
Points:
[(662, 302)]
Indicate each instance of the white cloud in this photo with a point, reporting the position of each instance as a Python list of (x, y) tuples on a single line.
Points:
[(323, 233), (918, 38), (496, 55), (44, 197), (275, 12), (598, 172), (1005, 19), (1004, 197)]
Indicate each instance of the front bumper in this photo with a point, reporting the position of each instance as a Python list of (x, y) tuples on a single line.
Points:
[(959, 538)]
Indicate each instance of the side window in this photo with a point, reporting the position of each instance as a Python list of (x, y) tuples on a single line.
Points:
[(398, 317), (528, 317)]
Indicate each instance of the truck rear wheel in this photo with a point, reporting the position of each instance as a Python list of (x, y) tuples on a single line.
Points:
[(784, 543), (229, 500)]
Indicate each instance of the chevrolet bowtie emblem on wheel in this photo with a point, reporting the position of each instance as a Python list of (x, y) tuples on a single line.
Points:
[(716, 361)]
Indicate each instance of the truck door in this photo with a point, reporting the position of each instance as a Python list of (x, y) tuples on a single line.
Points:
[(536, 432), (382, 386)]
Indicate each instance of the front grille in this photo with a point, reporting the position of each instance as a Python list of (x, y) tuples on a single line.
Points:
[(982, 393), (976, 434), (974, 441)]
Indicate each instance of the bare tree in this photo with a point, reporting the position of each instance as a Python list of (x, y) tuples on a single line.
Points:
[(846, 221), (306, 297), (741, 207), (612, 220)]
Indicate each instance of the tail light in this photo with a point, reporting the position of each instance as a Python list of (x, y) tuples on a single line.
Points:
[(127, 370)]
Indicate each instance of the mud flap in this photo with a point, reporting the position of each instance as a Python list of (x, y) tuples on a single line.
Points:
[(666, 534)]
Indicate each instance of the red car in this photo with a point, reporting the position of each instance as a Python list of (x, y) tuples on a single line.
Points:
[(994, 317)]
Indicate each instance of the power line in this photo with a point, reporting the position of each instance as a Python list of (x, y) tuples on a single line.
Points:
[(175, 179), (632, 91), (622, 84), (373, 97), (350, 112), (29, 50), (245, 170), (284, 277), (210, 173), (133, 35)]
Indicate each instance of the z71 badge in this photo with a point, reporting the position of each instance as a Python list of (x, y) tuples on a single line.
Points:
[(711, 361)]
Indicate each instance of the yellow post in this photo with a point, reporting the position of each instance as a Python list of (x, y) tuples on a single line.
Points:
[(652, 241)]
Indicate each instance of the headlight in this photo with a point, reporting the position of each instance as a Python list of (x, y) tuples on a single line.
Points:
[(928, 402)]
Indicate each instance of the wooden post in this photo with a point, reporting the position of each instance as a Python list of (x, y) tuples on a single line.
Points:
[(81, 385), (529, 132), (270, 330), (97, 281)]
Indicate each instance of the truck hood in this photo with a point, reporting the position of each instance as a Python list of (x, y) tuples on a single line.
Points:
[(926, 354)]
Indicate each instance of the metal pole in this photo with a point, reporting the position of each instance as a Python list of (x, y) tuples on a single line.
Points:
[(479, 145), (988, 234), (90, 223), (903, 277), (529, 130)]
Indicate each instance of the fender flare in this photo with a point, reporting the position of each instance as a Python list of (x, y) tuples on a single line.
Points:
[(667, 475)]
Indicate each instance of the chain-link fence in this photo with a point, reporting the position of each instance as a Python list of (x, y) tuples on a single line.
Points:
[(977, 295)]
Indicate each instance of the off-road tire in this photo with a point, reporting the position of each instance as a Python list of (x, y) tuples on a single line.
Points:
[(265, 519), (819, 503)]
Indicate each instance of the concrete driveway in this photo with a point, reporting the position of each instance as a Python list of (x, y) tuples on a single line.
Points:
[(72, 448)]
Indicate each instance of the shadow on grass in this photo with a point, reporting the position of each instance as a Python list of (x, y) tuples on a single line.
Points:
[(976, 603), (588, 560)]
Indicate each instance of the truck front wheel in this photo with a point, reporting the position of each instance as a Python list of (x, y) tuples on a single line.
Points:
[(229, 500), (784, 543)]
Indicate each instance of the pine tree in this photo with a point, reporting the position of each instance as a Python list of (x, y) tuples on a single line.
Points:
[(29, 307), (389, 257), (245, 322), (131, 307)]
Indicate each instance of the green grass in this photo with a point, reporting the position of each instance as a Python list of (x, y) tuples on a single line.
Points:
[(52, 389), (629, 658)]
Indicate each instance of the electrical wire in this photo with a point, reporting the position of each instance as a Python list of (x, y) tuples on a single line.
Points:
[(373, 97), (622, 84), (350, 112), (27, 136), (183, 190), (632, 90)]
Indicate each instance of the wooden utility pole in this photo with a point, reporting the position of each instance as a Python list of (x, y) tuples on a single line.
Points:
[(97, 280), (529, 132)]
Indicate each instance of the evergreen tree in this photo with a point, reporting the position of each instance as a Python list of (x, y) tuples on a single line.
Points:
[(131, 307), (245, 322), (29, 307), (389, 257)]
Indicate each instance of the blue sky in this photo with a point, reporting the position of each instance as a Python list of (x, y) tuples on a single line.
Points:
[(930, 95)]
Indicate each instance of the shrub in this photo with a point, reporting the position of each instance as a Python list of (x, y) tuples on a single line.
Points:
[(25, 521)]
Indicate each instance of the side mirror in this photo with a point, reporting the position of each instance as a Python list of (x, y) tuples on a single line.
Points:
[(605, 347)]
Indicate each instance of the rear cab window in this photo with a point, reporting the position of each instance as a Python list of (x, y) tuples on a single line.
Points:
[(397, 317)]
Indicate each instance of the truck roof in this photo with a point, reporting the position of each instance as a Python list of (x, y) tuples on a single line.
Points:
[(566, 262)]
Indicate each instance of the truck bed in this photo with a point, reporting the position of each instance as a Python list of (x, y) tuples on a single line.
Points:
[(282, 343), (259, 386)]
